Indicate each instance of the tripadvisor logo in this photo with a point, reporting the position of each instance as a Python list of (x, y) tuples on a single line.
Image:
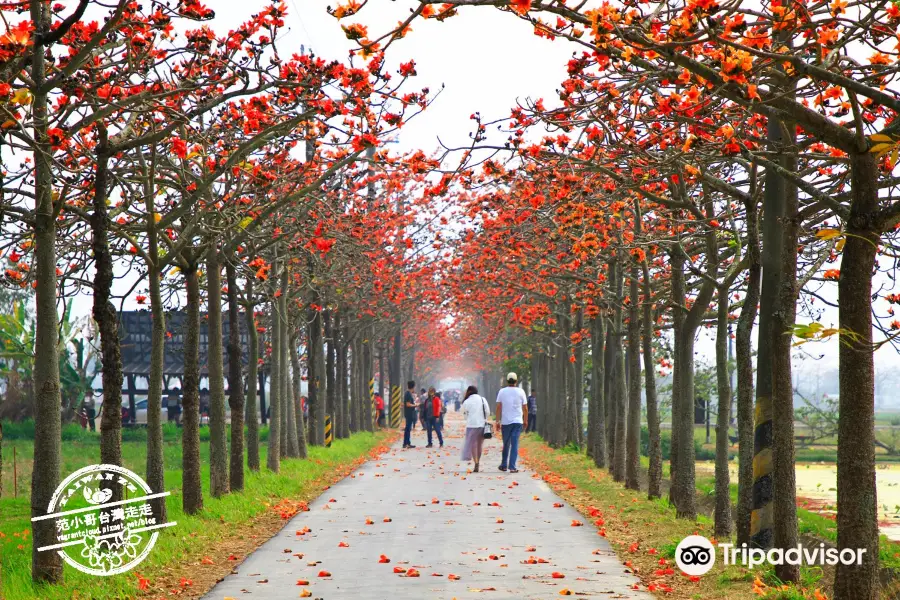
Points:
[(96, 534), (695, 555)]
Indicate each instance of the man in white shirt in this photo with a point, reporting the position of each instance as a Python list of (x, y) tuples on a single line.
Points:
[(512, 418)]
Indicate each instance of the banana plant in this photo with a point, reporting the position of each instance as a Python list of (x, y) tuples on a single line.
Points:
[(16, 341), (77, 364)]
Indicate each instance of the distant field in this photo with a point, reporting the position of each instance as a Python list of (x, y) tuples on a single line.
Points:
[(823, 449)]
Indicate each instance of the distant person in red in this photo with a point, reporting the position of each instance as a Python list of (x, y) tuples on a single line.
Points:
[(433, 411), (379, 407)]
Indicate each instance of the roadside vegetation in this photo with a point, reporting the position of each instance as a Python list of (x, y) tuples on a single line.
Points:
[(191, 556)]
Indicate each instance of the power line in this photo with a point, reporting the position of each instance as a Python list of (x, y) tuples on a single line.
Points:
[(302, 24)]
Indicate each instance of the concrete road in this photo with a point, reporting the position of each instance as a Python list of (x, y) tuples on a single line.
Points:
[(468, 535)]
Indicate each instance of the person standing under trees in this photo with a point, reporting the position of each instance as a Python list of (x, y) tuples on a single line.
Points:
[(475, 410), (513, 419), (173, 405), (532, 412), (90, 409), (379, 407), (432, 411), (409, 410)]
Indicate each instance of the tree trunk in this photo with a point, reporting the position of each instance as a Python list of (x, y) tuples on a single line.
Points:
[(784, 504), (313, 360), (302, 450), (382, 388), (105, 316), (218, 450), (619, 387), (273, 455), (596, 416), (610, 372), (343, 389), (633, 433), (411, 363), (566, 424), (155, 464), (621, 409), (287, 392), (654, 446), (191, 492), (578, 403), (45, 566), (397, 385), (330, 391), (252, 382), (723, 419), (353, 367), (682, 490), (857, 518), (744, 360), (558, 396), (284, 413), (368, 379), (235, 383), (339, 374), (772, 240)]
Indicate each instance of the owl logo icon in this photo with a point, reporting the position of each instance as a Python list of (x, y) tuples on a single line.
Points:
[(99, 496)]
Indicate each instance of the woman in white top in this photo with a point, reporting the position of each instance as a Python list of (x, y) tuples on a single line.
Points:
[(475, 410)]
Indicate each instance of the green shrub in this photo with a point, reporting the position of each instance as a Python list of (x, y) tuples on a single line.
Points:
[(665, 442), (18, 430)]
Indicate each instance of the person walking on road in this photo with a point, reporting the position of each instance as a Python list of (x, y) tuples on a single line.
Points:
[(513, 418), (409, 411), (532, 412), (475, 410), (433, 408)]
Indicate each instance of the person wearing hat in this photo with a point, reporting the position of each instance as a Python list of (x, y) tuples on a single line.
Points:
[(513, 418)]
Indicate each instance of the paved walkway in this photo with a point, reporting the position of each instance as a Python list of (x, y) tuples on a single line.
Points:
[(424, 511)]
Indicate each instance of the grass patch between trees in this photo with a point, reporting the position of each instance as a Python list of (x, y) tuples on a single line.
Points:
[(191, 556), (644, 533)]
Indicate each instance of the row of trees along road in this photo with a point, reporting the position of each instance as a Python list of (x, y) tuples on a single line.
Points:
[(706, 162), (145, 151)]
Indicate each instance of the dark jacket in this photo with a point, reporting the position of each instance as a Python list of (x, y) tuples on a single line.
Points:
[(409, 412)]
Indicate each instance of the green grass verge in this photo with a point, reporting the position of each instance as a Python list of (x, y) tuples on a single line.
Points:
[(193, 538), (629, 518)]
